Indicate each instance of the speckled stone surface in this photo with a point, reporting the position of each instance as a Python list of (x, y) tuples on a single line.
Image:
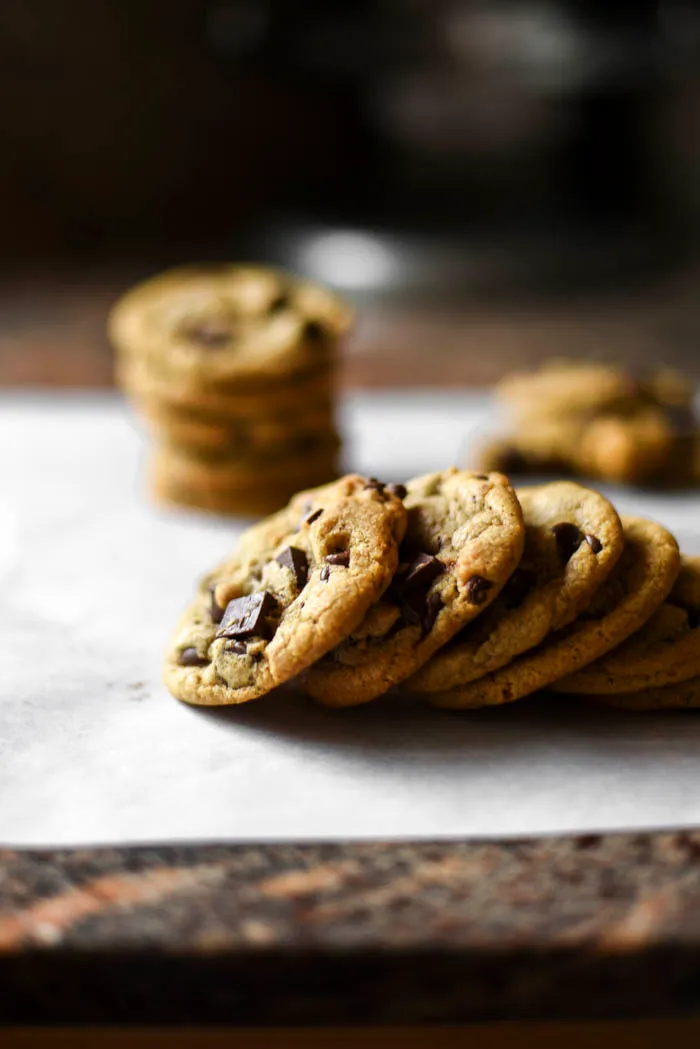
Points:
[(363, 933)]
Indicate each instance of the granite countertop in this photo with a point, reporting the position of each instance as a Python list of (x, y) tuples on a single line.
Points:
[(586, 927)]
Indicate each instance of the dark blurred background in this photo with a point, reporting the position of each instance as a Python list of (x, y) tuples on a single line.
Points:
[(493, 183)]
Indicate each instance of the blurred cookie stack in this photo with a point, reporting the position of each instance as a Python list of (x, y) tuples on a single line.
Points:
[(598, 420), (233, 368)]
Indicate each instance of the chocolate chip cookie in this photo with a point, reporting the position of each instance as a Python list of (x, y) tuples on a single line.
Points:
[(665, 651), (683, 695), (296, 585), (464, 539), (642, 578), (201, 326), (573, 539)]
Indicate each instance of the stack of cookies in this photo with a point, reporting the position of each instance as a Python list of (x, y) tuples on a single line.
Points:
[(597, 420), (233, 368), (457, 587)]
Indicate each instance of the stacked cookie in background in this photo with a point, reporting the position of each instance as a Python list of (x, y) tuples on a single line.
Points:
[(456, 587), (233, 368), (597, 420)]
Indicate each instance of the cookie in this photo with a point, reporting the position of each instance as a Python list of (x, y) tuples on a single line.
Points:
[(684, 695), (291, 397), (634, 449), (296, 585), (639, 583), (253, 501), (200, 474), (464, 539), (573, 539), (566, 388), (665, 651), (200, 431), (201, 326)]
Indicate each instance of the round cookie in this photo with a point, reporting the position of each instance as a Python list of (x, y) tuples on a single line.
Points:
[(210, 324), (221, 475), (291, 397), (643, 576), (566, 388), (199, 431), (665, 651), (573, 539), (634, 449), (684, 695), (296, 585), (464, 538)]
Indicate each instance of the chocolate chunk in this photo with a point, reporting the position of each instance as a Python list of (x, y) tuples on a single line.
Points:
[(481, 477), (190, 657), (373, 483), (568, 539), (314, 331), (211, 333), (477, 589), (313, 516), (279, 303), (325, 574), (432, 609), (217, 612), (518, 587), (411, 616), (245, 616), (239, 647), (421, 573), (297, 562), (399, 490), (594, 543), (341, 558)]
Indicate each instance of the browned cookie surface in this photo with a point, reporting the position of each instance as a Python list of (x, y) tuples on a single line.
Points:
[(573, 539), (665, 651), (464, 538), (643, 576), (294, 587)]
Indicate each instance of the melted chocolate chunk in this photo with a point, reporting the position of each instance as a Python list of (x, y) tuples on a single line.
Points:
[(314, 331), (399, 490), (216, 611), (568, 539), (239, 647), (190, 657), (211, 333), (518, 587), (297, 563), (245, 616), (477, 589), (432, 610), (279, 303), (325, 574), (594, 543), (313, 516), (373, 483), (421, 573), (341, 558), (481, 477)]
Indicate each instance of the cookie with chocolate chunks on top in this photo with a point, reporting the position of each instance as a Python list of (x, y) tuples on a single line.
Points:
[(464, 538), (665, 651), (573, 538), (643, 576), (295, 586), (198, 327)]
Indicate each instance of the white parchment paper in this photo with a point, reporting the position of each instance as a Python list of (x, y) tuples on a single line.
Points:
[(94, 750)]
